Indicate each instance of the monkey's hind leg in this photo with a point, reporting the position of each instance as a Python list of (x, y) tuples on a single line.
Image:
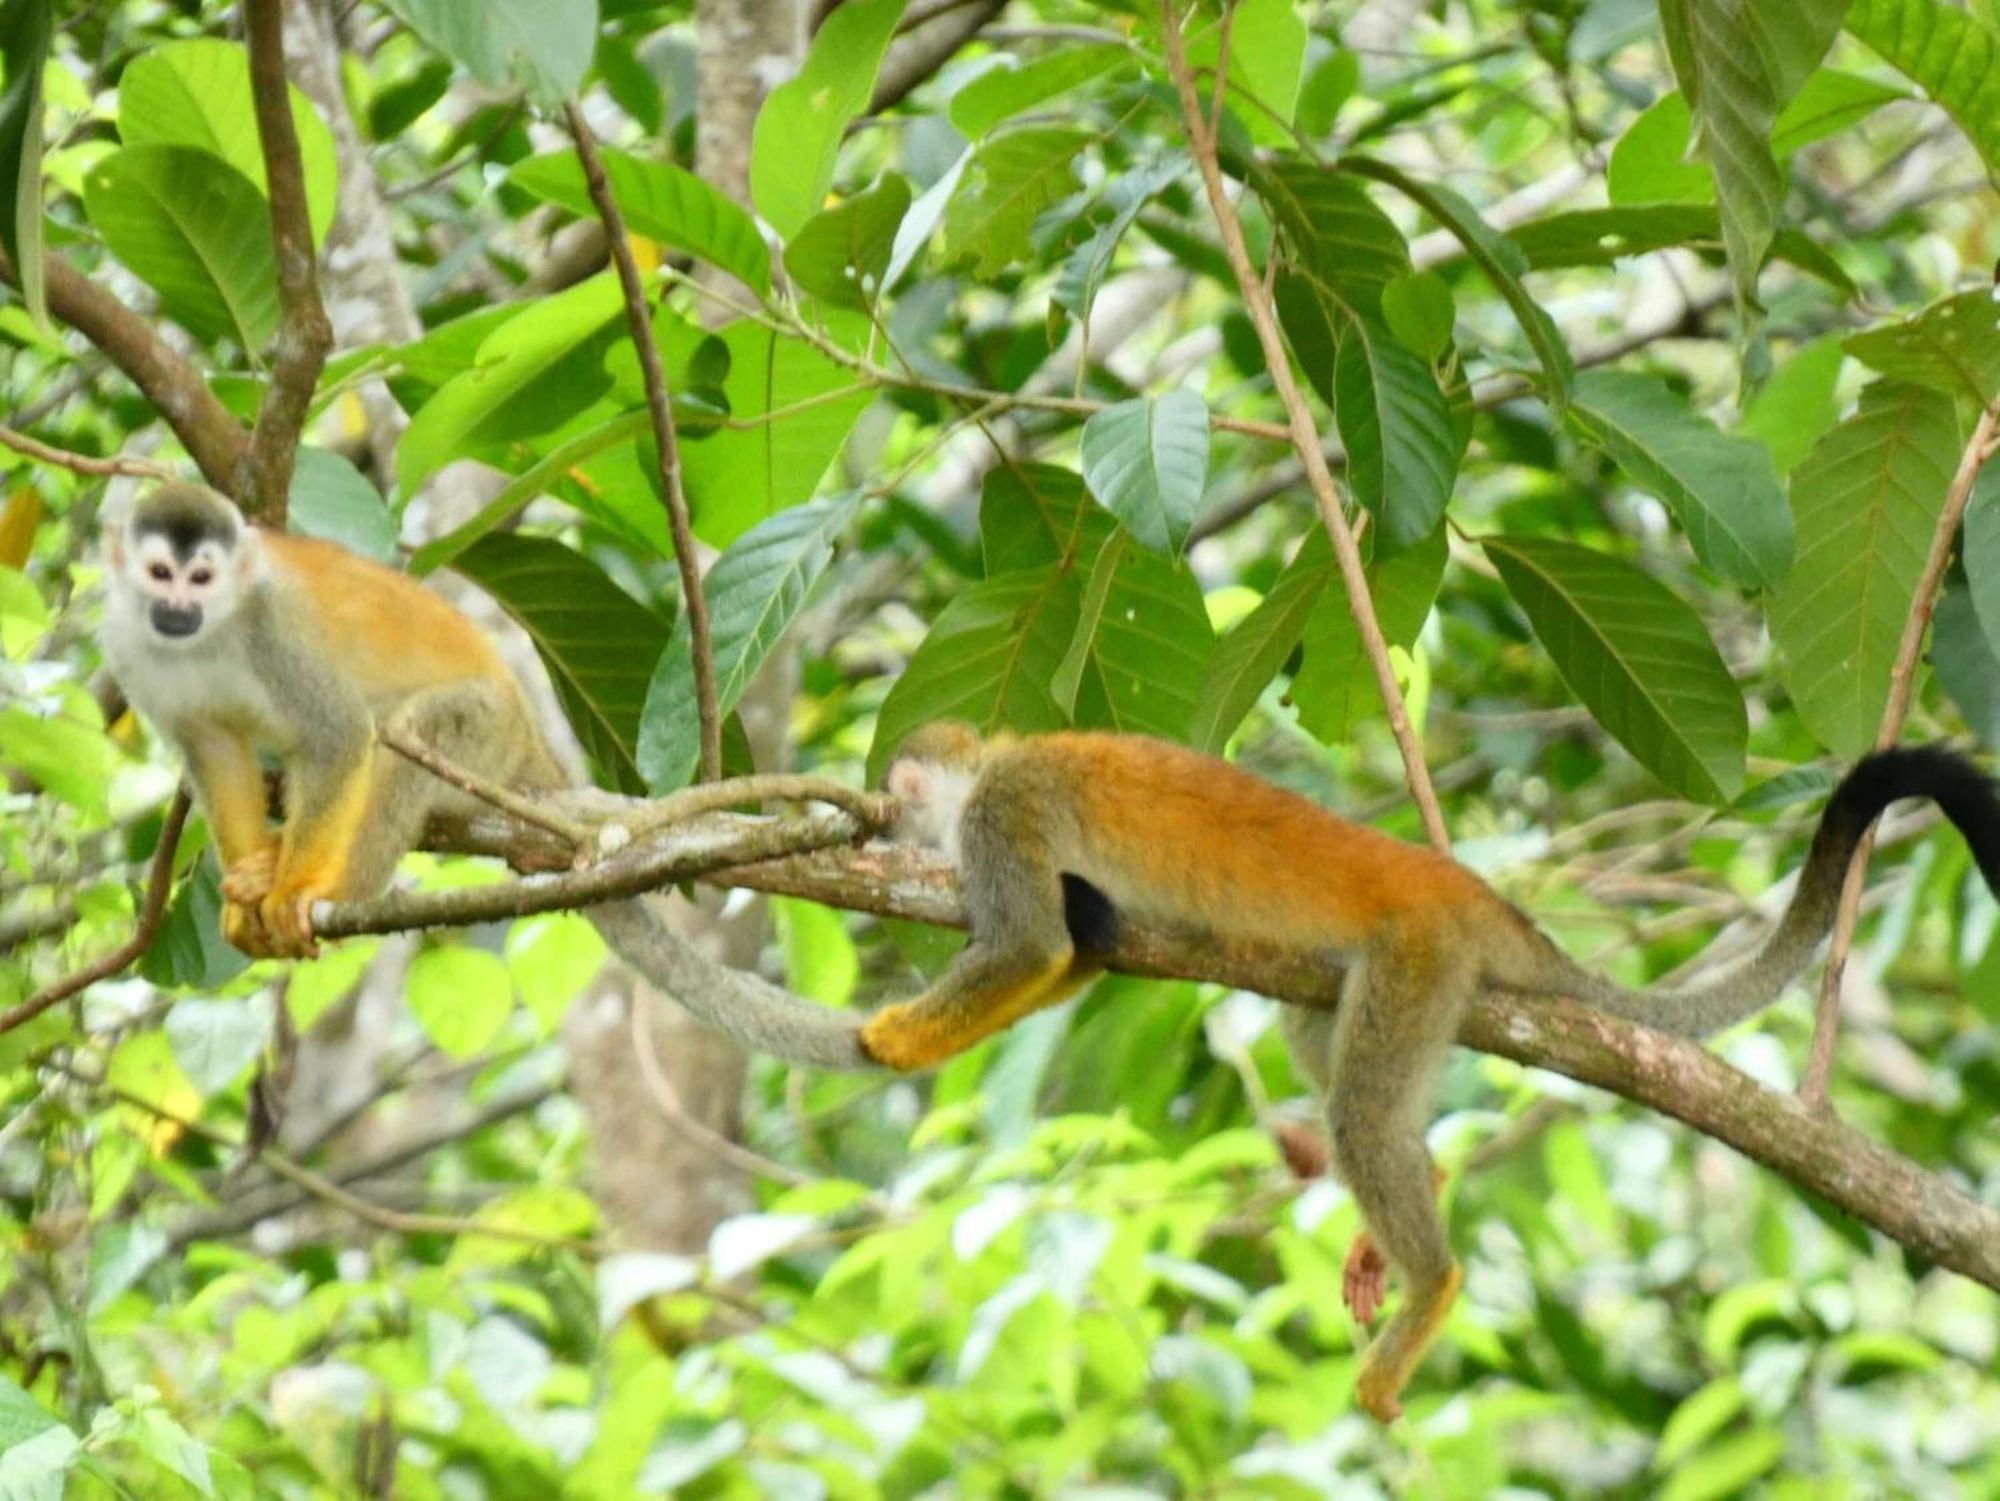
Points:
[(1396, 1021)]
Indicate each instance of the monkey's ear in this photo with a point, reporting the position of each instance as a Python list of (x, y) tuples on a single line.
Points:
[(908, 781)]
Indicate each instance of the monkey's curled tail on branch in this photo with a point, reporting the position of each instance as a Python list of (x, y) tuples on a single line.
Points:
[(1962, 792)]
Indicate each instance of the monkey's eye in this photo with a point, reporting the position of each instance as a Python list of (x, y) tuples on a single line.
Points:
[(200, 576), (161, 572)]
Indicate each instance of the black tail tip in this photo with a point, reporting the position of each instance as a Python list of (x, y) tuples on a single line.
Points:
[(1965, 794)]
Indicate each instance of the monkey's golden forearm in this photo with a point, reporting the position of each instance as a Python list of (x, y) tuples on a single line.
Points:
[(979, 995)]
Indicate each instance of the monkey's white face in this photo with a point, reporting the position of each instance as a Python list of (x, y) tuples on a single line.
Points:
[(179, 593), (932, 796)]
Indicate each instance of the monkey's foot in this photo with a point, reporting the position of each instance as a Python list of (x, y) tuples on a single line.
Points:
[(1376, 1392), (888, 1039), (243, 929), (287, 918), (248, 880), (1364, 1282)]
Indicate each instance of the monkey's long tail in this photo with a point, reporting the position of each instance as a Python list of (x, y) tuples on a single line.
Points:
[(1960, 789)]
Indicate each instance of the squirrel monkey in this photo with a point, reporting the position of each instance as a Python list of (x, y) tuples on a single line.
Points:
[(1056, 837)]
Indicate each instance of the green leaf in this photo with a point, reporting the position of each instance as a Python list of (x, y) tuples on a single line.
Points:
[(1830, 102), (754, 591), (662, 202), (989, 658), (215, 1041), (21, 1416), (1146, 460), (1248, 657), (1008, 183), (332, 499), (1866, 501), (842, 255), (1724, 490), (1085, 269), (802, 123), (551, 958), (1267, 51), (1697, 1420), (189, 949), (1034, 514), (1497, 256), (197, 93), (1953, 56), (532, 373), (1796, 405), (1967, 669), (67, 757), (1952, 345), (1982, 550), (1141, 646), (196, 231), (1345, 246), (597, 642), (1004, 91), (1602, 236), (1637, 657), (460, 997), (25, 29), (1738, 66), (1649, 164), (820, 959), (119, 1257), (1420, 312), (542, 47), (1401, 455), (1335, 687), (1725, 1468)]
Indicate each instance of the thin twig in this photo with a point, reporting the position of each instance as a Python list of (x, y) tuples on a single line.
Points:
[(154, 907), (1902, 678), (658, 403), (1305, 435), (83, 463), (264, 475), (527, 809)]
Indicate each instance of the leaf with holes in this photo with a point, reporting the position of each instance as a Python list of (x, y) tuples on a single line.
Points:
[(1723, 489), (597, 642), (842, 254), (1952, 346), (1866, 500), (1142, 644), (1008, 183), (1146, 461), (1637, 657), (196, 231), (754, 591)]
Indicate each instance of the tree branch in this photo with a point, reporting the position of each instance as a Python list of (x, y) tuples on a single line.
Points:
[(158, 883), (1902, 677), (82, 463), (658, 404), (1304, 433), (264, 476), (213, 437)]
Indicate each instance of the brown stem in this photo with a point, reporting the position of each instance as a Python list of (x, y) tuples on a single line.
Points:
[(1902, 679), (158, 883), (506, 799), (1305, 436), (658, 403), (210, 433), (264, 474), (82, 463)]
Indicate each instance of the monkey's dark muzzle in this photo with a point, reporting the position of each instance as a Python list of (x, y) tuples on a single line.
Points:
[(178, 624)]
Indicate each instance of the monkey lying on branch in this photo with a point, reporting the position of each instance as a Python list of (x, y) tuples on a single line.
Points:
[(235, 641)]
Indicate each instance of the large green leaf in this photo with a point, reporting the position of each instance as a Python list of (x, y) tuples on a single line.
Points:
[(841, 256), (1034, 514), (1724, 489), (1084, 272), (1637, 657), (1246, 659), (1499, 257), (1147, 461), (1797, 404), (1739, 65), (1401, 452), (1601, 236), (1342, 243), (25, 29), (1141, 646), (802, 123), (1649, 161), (197, 93), (533, 373), (1982, 551), (989, 658), (1267, 50), (1952, 345), (543, 47), (1954, 56), (1008, 183), (1002, 92), (1866, 500), (754, 591), (1335, 687), (196, 231), (662, 202), (597, 642), (330, 498)]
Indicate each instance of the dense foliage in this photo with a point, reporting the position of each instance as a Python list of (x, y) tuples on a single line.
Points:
[(1651, 438)]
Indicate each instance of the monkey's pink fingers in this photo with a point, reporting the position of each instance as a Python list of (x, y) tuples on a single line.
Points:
[(1365, 1280)]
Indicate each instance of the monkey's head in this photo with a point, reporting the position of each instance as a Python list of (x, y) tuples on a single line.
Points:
[(931, 776), (184, 555)]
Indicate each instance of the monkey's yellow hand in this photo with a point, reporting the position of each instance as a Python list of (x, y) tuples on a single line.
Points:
[(286, 915)]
